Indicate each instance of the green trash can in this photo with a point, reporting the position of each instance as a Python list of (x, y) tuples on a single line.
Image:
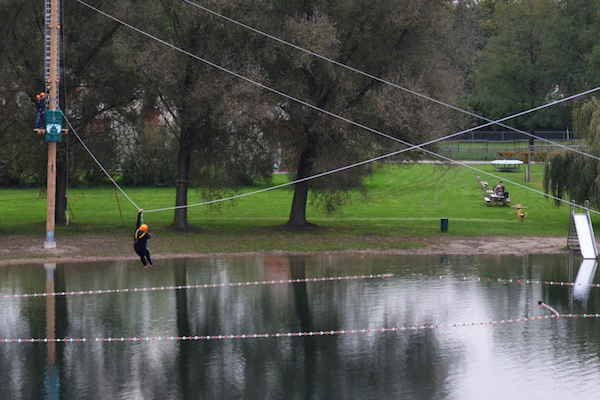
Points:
[(444, 224)]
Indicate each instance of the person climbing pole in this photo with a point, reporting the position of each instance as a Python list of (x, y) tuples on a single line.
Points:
[(40, 116), (140, 244)]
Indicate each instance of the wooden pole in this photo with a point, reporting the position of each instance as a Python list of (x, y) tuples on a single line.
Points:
[(52, 82), (51, 196)]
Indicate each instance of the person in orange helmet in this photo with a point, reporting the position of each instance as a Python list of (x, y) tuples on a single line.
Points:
[(140, 241), (41, 110)]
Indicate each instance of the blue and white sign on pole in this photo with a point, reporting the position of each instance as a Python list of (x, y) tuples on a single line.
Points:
[(53, 126)]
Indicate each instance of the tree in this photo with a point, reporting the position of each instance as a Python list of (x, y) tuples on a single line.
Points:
[(577, 49), (90, 94), (573, 175), (213, 115), (21, 78), (517, 69), (417, 44)]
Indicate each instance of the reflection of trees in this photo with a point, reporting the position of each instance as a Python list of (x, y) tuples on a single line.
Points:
[(298, 271), (116, 370), (183, 327), (410, 364), (303, 312), (425, 374)]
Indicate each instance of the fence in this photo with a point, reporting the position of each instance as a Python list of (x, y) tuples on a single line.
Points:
[(487, 150), (512, 135)]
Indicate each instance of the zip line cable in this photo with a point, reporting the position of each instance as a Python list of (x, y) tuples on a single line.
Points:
[(314, 177), (304, 103), (368, 162), (366, 74), (333, 115)]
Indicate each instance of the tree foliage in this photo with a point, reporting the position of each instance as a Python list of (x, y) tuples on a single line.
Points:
[(573, 176), (166, 117), (517, 69), (213, 116), (406, 42)]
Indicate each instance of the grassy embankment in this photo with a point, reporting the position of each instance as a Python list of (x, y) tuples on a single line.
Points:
[(402, 202)]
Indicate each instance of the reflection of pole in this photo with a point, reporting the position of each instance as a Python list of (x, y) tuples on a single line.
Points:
[(52, 82), (51, 379), (50, 320)]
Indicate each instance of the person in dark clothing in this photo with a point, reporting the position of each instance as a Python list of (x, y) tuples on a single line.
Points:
[(140, 239), (41, 110)]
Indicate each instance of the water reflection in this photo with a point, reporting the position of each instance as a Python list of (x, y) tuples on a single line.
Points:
[(472, 360), (52, 377), (585, 276)]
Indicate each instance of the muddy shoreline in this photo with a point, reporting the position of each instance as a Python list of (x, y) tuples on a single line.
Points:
[(31, 250)]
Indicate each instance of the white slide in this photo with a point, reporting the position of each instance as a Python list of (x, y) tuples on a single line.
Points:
[(585, 234)]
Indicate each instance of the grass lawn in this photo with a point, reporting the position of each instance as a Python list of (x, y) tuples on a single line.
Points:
[(401, 201)]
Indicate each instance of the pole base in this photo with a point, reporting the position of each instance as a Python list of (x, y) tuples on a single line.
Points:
[(49, 243)]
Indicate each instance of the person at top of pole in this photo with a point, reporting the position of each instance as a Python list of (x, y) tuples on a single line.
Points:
[(40, 102), (140, 241)]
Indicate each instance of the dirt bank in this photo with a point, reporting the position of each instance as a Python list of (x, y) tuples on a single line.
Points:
[(78, 249)]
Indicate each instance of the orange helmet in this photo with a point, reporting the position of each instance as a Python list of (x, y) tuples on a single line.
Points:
[(38, 97), (143, 227)]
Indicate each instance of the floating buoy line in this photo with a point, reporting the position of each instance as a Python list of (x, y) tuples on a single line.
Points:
[(519, 281), (555, 314), (411, 328), (284, 281), (199, 286)]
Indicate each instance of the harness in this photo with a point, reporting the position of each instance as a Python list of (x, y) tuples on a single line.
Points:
[(138, 237)]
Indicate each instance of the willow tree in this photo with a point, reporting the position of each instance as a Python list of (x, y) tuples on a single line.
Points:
[(422, 45), (574, 176)]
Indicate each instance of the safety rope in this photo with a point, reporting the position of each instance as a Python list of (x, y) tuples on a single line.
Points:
[(98, 162)]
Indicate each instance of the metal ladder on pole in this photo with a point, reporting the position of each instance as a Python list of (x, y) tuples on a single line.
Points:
[(48, 48)]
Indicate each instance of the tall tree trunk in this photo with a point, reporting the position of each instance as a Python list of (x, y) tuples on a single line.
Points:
[(186, 141), (183, 170), (298, 212)]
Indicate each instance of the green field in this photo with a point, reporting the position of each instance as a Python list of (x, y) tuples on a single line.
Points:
[(401, 202)]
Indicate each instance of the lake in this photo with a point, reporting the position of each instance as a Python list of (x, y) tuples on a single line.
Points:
[(302, 327)]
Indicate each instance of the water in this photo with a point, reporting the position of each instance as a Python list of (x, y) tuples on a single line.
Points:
[(479, 358)]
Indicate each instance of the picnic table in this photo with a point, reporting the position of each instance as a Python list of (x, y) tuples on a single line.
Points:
[(507, 165), (489, 196), (495, 199)]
